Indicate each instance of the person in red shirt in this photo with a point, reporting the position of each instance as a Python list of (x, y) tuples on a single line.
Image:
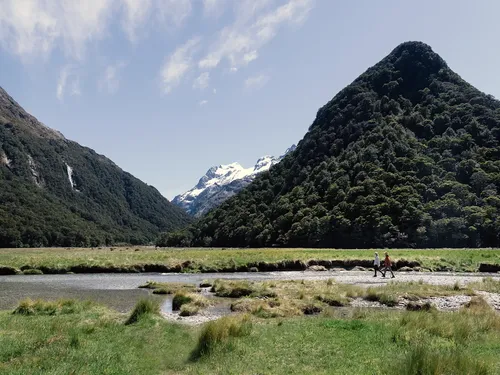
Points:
[(387, 265)]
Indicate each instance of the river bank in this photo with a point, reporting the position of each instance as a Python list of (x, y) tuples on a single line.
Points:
[(204, 260)]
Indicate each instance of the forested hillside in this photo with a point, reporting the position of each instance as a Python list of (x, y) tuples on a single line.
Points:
[(407, 155), (54, 192)]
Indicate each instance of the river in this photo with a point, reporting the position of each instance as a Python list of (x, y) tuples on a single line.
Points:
[(121, 292)]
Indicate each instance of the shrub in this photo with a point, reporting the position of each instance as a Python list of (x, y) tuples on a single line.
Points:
[(145, 307)]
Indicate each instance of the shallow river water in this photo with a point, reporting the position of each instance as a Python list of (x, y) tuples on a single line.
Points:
[(121, 292)]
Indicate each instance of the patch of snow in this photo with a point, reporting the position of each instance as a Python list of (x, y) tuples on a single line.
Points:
[(224, 174)]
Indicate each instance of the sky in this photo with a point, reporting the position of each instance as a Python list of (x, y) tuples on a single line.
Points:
[(168, 88)]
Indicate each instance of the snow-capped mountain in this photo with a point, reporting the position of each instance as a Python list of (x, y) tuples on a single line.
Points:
[(222, 182)]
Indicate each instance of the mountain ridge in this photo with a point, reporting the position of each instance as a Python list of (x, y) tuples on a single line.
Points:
[(55, 192), (407, 155), (222, 182)]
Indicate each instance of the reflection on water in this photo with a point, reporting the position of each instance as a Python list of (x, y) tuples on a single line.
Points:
[(166, 306), (117, 291)]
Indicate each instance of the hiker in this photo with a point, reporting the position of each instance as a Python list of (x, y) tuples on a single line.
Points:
[(387, 265), (376, 264)]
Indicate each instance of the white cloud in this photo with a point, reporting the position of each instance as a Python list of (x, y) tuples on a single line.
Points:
[(214, 8), (178, 64), (214, 91), (203, 102), (141, 13), (256, 82), (68, 78), (32, 28), (135, 13), (202, 81), (110, 80), (254, 27), (173, 11)]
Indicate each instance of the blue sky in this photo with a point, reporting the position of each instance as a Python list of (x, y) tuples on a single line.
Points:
[(168, 88)]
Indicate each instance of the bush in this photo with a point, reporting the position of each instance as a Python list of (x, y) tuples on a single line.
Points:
[(145, 307), (220, 332)]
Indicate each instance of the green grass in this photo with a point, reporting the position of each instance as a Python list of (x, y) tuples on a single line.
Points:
[(240, 288), (284, 298), (168, 288), (39, 307), (390, 293), (488, 284), (95, 340), (52, 260), (143, 308)]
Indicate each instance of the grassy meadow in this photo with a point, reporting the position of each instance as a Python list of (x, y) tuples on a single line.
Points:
[(69, 337), (131, 259)]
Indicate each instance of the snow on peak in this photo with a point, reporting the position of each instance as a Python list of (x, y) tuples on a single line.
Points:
[(222, 175)]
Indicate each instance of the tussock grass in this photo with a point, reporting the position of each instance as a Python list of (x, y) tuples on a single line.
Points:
[(39, 307), (422, 359), (470, 323), (337, 341), (189, 303), (219, 333), (390, 293), (168, 288), (240, 288), (488, 284), (435, 342), (297, 297), (294, 297), (143, 308)]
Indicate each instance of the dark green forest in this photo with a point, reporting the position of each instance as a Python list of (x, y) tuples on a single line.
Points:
[(39, 207), (408, 155)]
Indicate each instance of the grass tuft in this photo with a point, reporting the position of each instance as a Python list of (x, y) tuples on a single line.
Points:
[(168, 288), (145, 307), (240, 288), (220, 333), (424, 359), (64, 306)]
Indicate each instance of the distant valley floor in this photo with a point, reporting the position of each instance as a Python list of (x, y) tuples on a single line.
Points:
[(207, 260)]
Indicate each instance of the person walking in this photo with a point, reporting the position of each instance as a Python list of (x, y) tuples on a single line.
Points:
[(376, 264), (388, 265)]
